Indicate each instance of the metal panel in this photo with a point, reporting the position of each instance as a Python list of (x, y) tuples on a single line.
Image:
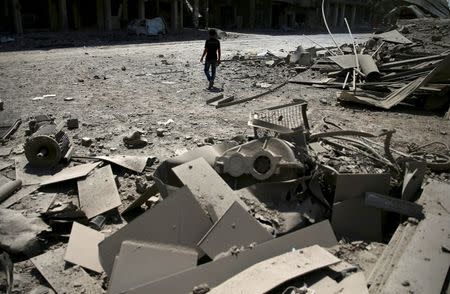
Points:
[(268, 274), (424, 264), (393, 37), (211, 191), (178, 219), (352, 219), (235, 228), (350, 186), (133, 163), (72, 280), (82, 248), (98, 192), (45, 176), (394, 205), (218, 271), (140, 263)]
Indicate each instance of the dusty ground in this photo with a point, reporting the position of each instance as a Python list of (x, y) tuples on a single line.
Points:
[(117, 89)]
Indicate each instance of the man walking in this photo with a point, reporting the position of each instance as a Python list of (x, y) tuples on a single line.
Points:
[(212, 53)]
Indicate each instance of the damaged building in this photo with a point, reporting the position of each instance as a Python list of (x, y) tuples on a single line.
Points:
[(108, 15)]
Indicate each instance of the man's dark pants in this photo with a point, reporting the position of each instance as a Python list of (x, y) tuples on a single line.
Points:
[(213, 65)]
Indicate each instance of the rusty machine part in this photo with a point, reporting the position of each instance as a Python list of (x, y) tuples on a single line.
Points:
[(47, 146), (262, 159)]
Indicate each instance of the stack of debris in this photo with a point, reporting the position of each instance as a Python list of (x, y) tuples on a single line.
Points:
[(385, 72), (266, 210)]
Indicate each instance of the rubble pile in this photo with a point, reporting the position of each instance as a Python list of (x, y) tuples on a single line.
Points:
[(259, 215), (387, 70)]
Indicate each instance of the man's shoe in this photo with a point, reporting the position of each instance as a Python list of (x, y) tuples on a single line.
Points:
[(211, 85)]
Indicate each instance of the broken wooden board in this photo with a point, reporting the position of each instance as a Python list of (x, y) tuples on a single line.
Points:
[(178, 219), (350, 186), (140, 263), (38, 176), (235, 228), (424, 264), (354, 220), (391, 204), (393, 37), (133, 163), (220, 102), (268, 274), (64, 280), (211, 191), (98, 192), (19, 195), (216, 272), (214, 99), (82, 248)]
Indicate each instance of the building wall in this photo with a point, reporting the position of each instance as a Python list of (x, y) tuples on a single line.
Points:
[(237, 14)]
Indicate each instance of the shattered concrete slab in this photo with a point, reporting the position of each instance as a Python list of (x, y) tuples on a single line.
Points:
[(38, 176), (133, 163), (216, 272), (140, 263), (82, 248), (98, 192), (235, 228), (268, 274), (18, 234), (211, 191), (69, 280), (178, 219)]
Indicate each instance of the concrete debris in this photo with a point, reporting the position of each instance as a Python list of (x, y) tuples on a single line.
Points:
[(19, 234), (135, 140), (260, 212)]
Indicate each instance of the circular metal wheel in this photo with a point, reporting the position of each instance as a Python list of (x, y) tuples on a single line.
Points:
[(435, 161)]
